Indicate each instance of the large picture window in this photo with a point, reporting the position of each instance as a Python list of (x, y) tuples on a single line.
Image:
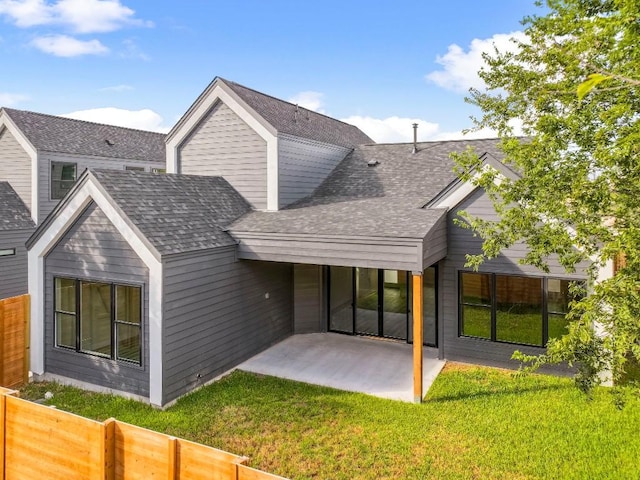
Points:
[(63, 176), (513, 309), (101, 319)]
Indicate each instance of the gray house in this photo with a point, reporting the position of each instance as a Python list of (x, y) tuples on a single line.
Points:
[(41, 156), (16, 227), (273, 221)]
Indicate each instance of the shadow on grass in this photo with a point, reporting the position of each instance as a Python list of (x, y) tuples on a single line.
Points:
[(514, 390)]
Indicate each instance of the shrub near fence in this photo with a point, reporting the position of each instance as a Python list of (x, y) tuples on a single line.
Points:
[(37, 441)]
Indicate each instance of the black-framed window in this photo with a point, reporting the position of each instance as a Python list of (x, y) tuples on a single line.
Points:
[(63, 176), (97, 318), (132, 168), (512, 308), (7, 252)]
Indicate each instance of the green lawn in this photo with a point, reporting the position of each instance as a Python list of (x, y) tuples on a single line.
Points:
[(476, 423)]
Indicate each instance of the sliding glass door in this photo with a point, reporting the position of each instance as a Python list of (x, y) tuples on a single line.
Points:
[(376, 302), (367, 302)]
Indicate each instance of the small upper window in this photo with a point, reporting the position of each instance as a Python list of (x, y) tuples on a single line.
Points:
[(63, 176), (7, 252), (159, 170)]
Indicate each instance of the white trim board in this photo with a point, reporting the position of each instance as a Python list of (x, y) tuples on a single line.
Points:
[(51, 236)]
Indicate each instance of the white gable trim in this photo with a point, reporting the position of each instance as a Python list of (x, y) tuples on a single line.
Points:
[(220, 92), (51, 236), (6, 122), (456, 196), (464, 189)]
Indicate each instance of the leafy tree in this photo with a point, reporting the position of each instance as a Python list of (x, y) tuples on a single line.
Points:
[(573, 84)]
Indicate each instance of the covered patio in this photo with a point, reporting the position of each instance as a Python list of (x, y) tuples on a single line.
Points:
[(376, 367)]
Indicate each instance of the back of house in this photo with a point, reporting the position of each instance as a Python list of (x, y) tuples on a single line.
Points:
[(274, 220)]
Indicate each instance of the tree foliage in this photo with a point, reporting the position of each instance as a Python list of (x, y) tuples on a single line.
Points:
[(573, 84)]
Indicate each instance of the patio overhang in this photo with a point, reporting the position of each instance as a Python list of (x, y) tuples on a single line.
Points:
[(414, 250), (362, 233)]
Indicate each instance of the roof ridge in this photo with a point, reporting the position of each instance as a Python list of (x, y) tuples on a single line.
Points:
[(59, 117), (432, 141), (290, 103)]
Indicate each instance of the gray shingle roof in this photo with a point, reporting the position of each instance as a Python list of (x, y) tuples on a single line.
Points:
[(369, 217), (305, 123), (176, 213), (14, 214), (382, 200), (65, 135), (399, 173)]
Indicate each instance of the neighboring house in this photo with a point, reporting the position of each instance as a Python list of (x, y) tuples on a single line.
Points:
[(16, 227), (278, 220), (41, 156)]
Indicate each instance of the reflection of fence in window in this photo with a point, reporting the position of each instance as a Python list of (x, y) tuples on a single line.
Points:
[(513, 309), (476, 303)]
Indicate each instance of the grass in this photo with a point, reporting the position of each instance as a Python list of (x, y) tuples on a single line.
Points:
[(476, 423)]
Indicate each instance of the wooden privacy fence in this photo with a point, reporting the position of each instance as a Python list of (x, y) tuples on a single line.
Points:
[(37, 441), (14, 341)]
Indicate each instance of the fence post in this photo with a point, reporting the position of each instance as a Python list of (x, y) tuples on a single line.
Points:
[(3, 404), (108, 450), (171, 464), (237, 462), (27, 337), (2, 336)]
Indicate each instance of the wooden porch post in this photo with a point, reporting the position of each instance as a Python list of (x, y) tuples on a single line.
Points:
[(417, 337)]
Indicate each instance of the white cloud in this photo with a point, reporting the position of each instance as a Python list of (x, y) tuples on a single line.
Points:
[(131, 50), (26, 13), (460, 67), (10, 99), (393, 129), (89, 16), (65, 46), (81, 16), (117, 88), (398, 129), (515, 124), (140, 119), (309, 99)]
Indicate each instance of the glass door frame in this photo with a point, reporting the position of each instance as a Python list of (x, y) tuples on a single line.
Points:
[(409, 319)]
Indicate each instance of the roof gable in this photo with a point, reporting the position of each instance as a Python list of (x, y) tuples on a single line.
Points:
[(295, 120), (14, 214), (175, 213), (169, 213), (271, 114), (65, 135)]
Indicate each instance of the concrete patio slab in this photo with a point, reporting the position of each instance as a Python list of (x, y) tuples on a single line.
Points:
[(359, 364)]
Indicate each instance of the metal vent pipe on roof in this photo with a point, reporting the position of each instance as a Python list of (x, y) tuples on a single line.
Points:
[(415, 138)]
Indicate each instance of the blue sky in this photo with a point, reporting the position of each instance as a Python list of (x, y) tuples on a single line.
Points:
[(379, 64)]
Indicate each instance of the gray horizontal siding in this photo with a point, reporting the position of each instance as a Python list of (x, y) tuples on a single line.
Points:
[(216, 315), (369, 253), (93, 249), (15, 166), (303, 164), (434, 246), (13, 269), (82, 163), (308, 301), (461, 242), (223, 144)]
